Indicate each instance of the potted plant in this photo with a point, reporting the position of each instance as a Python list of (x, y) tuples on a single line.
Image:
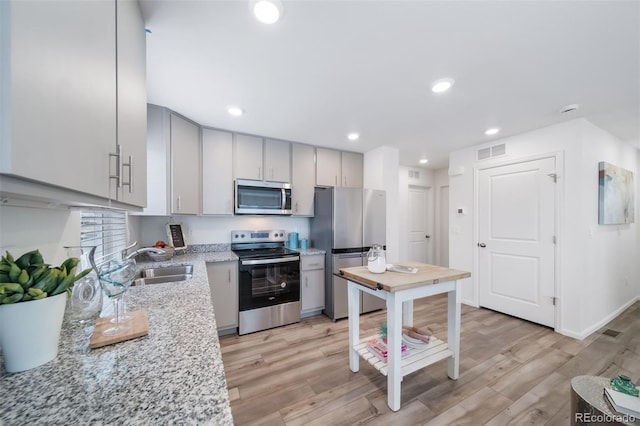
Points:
[(32, 304)]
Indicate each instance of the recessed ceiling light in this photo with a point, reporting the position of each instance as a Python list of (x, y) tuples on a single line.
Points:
[(491, 131), (424, 161), (267, 11), (235, 111), (353, 136), (442, 85)]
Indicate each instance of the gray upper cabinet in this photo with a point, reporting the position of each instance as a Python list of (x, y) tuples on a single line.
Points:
[(185, 166), (302, 179), (352, 169), (132, 104), (60, 117), (258, 159), (60, 122), (158, 161), (339, 169), (277, 160), (327, 167), (247, 157), (217, 173)]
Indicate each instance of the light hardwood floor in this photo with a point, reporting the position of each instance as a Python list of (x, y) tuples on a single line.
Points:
[(511, 372)]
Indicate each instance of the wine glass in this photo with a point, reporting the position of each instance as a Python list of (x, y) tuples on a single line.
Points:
[(115, 277)]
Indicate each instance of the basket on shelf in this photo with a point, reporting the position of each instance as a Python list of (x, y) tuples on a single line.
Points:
[(159, 257)]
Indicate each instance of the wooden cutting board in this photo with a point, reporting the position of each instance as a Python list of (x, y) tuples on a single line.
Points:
[(138, 326)]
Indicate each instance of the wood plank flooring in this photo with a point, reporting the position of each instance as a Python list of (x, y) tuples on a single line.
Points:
[(512, 372)]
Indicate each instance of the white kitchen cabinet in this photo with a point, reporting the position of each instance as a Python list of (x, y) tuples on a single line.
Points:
[(352, 169), (223, 281), (68, 98), (132, 104), (302, 179), (217, 172), (277, 161), (59, 93), (327, 167), (247, 157), (185, 166), (311, 284)]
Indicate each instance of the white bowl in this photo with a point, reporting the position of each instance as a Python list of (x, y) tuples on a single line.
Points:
[(159, 257)]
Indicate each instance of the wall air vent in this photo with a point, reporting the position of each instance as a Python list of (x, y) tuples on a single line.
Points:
[(484, 153), (491, 151), (414, 174), (498, 150)]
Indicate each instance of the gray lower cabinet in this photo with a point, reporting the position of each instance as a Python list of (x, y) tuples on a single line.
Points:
[(223, 281), (311, 284)]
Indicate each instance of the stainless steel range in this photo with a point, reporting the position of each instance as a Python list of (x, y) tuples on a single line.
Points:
[(268, 280)]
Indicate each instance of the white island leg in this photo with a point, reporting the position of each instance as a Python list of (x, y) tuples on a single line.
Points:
[(394, 338), (353, 301), (453, 330)]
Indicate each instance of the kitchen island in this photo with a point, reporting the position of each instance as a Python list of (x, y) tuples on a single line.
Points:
[(399, 290), (174, 375)]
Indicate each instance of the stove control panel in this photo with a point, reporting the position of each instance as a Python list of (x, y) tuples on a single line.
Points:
[(266, 236)]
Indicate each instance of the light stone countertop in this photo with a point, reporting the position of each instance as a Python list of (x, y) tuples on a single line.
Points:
[(310, 251), (172, 376)]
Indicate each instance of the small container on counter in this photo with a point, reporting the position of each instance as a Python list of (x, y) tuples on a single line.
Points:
[(293, 240)]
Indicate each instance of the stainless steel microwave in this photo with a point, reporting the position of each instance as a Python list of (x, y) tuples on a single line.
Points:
[(259, 197)]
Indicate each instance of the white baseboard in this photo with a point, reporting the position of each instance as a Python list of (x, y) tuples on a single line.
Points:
[(597, 326)]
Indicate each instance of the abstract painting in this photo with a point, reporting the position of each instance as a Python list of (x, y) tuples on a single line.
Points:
[(616, 202)]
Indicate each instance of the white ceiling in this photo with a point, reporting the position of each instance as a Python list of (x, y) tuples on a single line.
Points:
[(333, 67)]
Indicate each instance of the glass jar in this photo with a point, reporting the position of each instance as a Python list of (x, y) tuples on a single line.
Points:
[(376, 259)]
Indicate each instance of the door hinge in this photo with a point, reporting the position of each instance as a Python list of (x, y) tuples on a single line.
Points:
[(553, 299), (555, 240), (554, 177)]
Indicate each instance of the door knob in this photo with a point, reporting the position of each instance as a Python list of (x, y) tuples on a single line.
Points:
[(427, 236), (483, 245)]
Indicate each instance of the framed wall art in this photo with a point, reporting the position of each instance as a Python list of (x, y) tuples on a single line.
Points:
[(616, 201)]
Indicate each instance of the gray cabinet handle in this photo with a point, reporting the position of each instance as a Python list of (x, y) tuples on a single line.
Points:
[(130, 182), (117, 176)]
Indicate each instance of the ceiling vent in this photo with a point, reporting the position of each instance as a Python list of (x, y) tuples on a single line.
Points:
[(491, 151), (414, 174)]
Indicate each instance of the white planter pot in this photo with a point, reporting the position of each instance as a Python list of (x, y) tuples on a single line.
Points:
[(30, 332)]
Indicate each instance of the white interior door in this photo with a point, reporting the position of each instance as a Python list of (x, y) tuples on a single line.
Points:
[(516, 227), (420, 225), (444, 226)]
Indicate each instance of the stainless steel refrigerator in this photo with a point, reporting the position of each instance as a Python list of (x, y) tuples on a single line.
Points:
[(347, 222)]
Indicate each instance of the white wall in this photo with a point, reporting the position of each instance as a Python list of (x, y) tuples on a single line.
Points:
[(23, 229), (211, 229), (381, 171), (597, 273), (47, 229)]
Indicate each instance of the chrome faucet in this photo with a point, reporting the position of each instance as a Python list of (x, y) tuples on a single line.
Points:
[(135, 253)]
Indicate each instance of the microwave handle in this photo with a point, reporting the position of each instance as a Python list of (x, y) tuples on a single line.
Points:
[(284, 198)]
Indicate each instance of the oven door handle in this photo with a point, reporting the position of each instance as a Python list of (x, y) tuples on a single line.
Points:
[(268, 261)]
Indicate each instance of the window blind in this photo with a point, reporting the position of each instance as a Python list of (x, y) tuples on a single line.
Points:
[(105, 229)]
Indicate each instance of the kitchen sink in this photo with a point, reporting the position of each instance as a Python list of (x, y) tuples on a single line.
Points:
[(163, 274)]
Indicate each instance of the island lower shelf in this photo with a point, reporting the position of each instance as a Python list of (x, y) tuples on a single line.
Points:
[(436, 350)]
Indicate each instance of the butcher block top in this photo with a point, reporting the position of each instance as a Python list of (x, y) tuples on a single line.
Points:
[(396, 281)]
